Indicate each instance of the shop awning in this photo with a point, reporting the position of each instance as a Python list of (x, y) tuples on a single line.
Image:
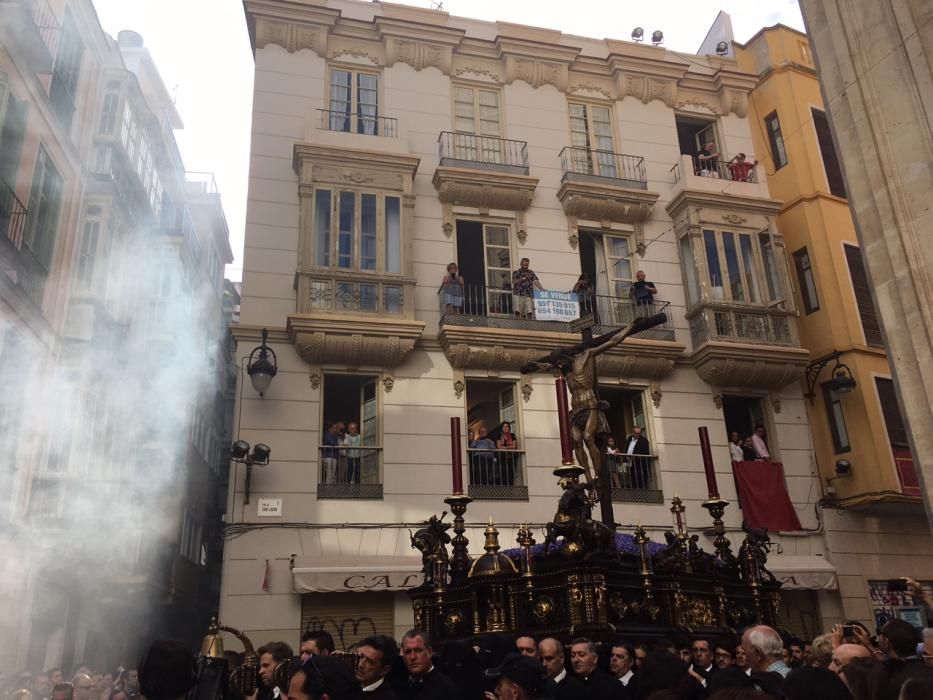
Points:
[(362, 574), (803, 572)]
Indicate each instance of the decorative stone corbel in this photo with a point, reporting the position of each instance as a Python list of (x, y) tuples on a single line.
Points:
[(388, 382), (717, 400), (315, 379), (448, 229), (573, 237), (521, 233), (459, 388), (656, 394), (775, 402), (526, 391), (447, 212)]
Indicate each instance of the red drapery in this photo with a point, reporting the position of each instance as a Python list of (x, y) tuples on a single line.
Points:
[(763, 495)]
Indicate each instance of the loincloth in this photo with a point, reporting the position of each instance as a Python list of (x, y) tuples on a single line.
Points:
[(580, 416)]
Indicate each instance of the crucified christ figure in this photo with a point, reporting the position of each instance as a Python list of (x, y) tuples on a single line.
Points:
[(587, 414)]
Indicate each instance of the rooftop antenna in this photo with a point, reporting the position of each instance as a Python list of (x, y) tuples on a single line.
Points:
[(437, 5)]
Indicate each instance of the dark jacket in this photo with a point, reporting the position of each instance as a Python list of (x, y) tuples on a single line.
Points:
[(383, 692), (641, 446), (601, 686), (568, 689), (434, 686)]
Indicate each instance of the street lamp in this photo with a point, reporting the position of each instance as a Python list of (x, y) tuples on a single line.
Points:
[(657, 37), (638, 34), (842, 382), (260, 370), (240, 453)]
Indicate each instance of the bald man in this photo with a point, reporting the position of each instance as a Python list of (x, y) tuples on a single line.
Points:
[(844, 653)]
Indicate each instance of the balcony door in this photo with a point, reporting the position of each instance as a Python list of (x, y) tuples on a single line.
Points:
[(369, 429), (591, 138), (693, 133), (608, 262), (742, 414), (484, 256), (476, 122)]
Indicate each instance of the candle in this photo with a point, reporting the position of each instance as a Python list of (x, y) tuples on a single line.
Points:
[(708, 466), (563, 419), (456, 461)]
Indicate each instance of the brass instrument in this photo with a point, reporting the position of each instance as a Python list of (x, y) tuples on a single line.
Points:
[(21, 694), (243, 677)]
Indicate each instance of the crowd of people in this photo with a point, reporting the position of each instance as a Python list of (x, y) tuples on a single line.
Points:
[(750, 448), (492, 455), (759, 664)]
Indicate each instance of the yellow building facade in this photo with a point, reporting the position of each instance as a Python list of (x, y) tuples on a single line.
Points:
[(873, 514)]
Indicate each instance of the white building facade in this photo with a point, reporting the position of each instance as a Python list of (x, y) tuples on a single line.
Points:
[(390, 141)]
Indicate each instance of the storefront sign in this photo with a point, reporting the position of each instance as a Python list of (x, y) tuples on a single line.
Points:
[(556, 306), (390, 575)]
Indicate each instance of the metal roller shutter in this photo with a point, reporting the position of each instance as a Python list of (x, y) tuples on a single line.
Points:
[(349, 617)]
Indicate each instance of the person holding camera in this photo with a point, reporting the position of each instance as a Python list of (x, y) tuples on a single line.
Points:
[(641, 292)]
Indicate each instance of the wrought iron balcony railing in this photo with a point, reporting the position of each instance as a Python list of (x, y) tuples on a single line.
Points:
[(497, 474), (457, 150), (358, 123), (718, 169), (488, 307), (350, 472), (28, 270), (635, 478), (585, 163), (744, 325)]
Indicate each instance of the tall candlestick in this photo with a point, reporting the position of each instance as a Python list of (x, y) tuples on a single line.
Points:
[(708, 466), (456, 460), (563, 420)]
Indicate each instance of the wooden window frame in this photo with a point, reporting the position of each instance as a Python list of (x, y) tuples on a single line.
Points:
[(778, 150), (810, 305), (831, 401)]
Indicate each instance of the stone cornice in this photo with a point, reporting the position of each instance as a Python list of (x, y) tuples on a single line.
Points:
[(353, 158), (484, 189), (723, 364), (605, 201), (353, 342), (242, 332), (428, 38), (503, 349), (722, 200)]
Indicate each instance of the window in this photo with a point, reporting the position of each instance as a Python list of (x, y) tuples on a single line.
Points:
[(619, 265), (690, 270), (805, 54), (45, 201), (834, 179), (634, 479), (863, 296), (776, 140), (591, 139), (192, 536), (354, 102), (733, 261), (893, 422), (215, 268), (837, 420), (45, 500), (805, 279), (66, 71), (108, 117), (12, 133), (476, 111), (351, 455), (495, 449), (363, 219), (87, 256)]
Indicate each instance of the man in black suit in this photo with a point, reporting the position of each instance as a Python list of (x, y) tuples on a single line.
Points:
[(563, 685), (375, 657), (621, 661), (321, 678), (599, 684), (639, 467), (702, 653), (424, 681)]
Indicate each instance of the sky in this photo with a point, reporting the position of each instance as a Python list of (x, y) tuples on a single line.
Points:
[(202, 50)]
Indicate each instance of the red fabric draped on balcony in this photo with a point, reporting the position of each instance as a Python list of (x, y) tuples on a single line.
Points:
[(763, 495)]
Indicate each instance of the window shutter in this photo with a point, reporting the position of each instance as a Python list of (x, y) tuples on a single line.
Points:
[(349, 617), (897, 433), (834, 177), (863, 296)]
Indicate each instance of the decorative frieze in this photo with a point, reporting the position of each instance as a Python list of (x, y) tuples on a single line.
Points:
[(353, 342)]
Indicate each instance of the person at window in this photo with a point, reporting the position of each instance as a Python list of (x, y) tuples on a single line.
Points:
[(740, 169), (506, 441), (758, 442), (707, 160), (584, 291), (748, 450), (735, 447), (524, 282), (641, 291), (482, 459), (452, 290), (614, 457), (330, 454), (353, 440), (637, 444)]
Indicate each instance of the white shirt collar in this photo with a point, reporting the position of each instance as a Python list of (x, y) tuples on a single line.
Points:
[(373, 686), (627, 677), (560, 676)]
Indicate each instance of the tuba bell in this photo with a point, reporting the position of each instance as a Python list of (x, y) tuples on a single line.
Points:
[(242, 678)]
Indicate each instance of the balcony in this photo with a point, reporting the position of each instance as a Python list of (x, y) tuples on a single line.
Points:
[(486, 172), (353, 123), (175, 220), (604, 186), (18, 261), (350, 472), (29, 28), (635, 479), (746, 346), (354, 319), (484, 333), (718, 177), (496, 475)]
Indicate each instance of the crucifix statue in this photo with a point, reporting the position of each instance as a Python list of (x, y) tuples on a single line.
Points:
[(588, 424)]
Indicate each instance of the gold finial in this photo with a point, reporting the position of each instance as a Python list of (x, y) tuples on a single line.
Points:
[(492, 537), (524, 536)]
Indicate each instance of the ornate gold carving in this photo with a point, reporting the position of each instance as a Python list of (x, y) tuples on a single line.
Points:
[(695, 611), (543, 609), (453, 619)]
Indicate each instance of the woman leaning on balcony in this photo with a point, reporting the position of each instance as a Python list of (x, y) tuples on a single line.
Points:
[(452, 289)]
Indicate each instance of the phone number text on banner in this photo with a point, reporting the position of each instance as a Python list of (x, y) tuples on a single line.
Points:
[(556, 306)]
